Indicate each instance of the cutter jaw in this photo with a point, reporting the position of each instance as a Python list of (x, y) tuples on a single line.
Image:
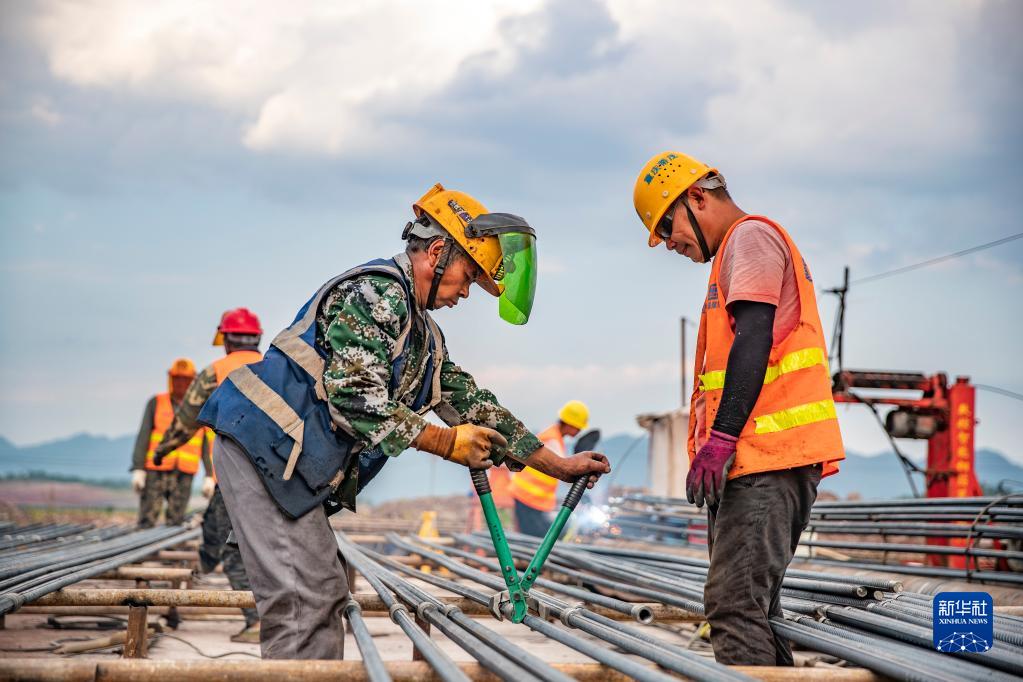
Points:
[(514, 607), (497, 603)]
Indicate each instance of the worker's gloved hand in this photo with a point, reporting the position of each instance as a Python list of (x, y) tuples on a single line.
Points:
[(473, 445), (582, 463), (158, 457), (208, 486), (709, 471), (138, 480), (466, 444)]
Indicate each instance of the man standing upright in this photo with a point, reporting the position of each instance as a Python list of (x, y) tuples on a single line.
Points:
[(536, 493), (239, 332), (170, 478), (762, 427)]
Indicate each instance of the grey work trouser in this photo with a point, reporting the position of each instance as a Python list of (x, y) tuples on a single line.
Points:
[(296, 572), (752, 536)]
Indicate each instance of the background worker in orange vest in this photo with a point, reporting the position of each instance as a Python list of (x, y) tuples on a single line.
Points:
[(535, 493), (171, 479), (239, 333), (500, 491), (762, 428)]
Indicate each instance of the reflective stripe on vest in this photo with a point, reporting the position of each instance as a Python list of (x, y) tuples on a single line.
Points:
[(185, 458), (534, 488), (791, 362), (800, 415), (794, 422)]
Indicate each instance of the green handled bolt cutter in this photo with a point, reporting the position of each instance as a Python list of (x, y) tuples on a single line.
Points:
[(517, 594)]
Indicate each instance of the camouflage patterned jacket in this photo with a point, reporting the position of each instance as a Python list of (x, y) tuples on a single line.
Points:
[(358, 325)]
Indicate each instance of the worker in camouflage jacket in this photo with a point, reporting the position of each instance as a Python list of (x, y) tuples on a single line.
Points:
[(345, 389)]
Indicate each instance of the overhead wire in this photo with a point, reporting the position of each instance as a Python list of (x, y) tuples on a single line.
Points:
[(1000, 391), (938, 259)]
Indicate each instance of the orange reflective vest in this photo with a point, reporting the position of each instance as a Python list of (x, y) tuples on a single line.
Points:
[(500, 487), (534, 488), (233, 361), (184, 459), (793, 423), (222, 368)]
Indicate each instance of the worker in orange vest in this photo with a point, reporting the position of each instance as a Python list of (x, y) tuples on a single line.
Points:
[(762, 428), (534, 492), (169, 480), (239, 332)]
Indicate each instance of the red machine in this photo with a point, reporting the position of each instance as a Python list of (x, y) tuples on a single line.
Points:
[(943, 415)]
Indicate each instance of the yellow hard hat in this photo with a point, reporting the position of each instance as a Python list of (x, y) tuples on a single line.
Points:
[(454, 211), (663, 178), (182, 367), (502, 244), (575, 413)]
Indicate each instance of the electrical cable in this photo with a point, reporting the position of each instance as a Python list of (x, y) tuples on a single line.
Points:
[(908, 466), (200, 651), (939, 259), (1000, 391), (618, 467)]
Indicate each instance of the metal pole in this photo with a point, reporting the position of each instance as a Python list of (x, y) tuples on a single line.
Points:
[(841, 317), (682, 361)]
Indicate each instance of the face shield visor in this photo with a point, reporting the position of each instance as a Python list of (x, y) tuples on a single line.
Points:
[(515, 275)]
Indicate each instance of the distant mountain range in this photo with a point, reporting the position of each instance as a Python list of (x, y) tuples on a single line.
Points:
[(103, 459)]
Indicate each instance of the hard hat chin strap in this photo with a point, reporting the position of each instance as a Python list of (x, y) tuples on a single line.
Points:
[(697, 231), (438, 273)]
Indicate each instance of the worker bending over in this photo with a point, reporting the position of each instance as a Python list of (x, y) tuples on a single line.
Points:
[(762, 415), (535, 492), (171, 478), (239, 332), (344, 389)]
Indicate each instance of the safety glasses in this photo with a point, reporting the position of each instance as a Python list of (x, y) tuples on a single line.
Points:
[(665, 227)]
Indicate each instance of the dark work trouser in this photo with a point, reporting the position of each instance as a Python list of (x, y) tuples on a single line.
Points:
[(752, 536), (216, 526), (531, 521), (173, 486), (294, 566)]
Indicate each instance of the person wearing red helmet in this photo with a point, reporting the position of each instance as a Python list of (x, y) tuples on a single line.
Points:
[(239, 332)]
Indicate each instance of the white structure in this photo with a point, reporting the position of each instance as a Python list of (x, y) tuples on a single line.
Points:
[(668, 462)]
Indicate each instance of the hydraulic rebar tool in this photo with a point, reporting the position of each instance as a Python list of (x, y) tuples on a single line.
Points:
[(517, 594)]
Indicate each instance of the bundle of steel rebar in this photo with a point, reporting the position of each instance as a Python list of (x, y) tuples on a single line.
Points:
[(37, 533), (985, 533), (496, 653), (39, 570), (869, 622)]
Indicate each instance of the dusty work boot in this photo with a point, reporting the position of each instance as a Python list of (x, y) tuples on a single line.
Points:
[(249, 635), (201, 580)]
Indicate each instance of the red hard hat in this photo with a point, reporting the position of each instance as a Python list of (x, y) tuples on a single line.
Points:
[(237, 321)]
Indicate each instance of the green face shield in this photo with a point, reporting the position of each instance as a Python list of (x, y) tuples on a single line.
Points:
[(518, 260), (517, 273)]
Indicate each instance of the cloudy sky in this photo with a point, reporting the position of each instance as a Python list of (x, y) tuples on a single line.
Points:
[(163, 161)]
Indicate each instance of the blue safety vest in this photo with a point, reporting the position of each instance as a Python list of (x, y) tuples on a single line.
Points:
[(277, 409)]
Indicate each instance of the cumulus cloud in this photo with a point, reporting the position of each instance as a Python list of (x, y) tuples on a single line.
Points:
[(301, 74), (768, 81)]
